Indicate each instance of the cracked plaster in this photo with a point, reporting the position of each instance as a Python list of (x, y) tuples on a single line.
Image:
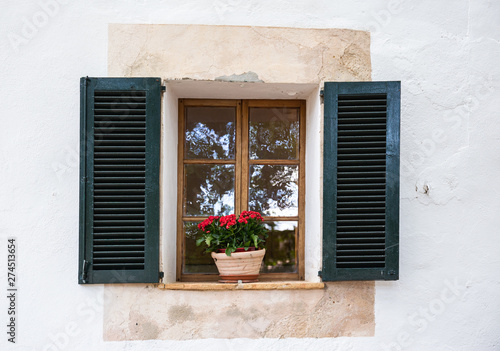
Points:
[(275, 55)]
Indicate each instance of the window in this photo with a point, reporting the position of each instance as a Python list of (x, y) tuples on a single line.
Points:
[(237, 155)]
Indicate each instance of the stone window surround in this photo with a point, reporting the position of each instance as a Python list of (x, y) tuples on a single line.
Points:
[(288, 60)]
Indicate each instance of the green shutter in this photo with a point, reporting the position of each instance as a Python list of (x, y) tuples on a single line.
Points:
[(119, 180), (361, 181)]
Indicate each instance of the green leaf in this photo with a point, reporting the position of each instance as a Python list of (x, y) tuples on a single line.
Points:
[(199, 241), (255, 239), (230, 250), (208, 240)]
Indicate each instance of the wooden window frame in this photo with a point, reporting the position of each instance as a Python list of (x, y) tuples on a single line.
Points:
[(241, 182)]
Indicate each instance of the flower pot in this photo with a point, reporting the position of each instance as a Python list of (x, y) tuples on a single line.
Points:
[(244, 266)]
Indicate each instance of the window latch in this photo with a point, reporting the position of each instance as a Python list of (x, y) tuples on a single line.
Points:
[(85, 270)]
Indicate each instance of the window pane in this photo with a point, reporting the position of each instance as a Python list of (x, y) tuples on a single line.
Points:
[(274, 190), (209, 190), (210, 132), (196, 260), (280, 248), (274, 133)]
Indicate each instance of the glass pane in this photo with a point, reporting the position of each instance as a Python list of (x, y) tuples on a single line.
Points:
[(274, 190), (280, 248), (209, 190), (210, 132), (274, 133), (196, 260)]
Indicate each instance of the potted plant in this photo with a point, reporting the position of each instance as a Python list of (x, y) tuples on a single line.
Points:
[(236, 244)]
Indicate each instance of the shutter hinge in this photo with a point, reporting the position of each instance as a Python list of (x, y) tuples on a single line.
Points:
[(322, 93), (85, 270), (163, 88), (161, 275), (320, 273)]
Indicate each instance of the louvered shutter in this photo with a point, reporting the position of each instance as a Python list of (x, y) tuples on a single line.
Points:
[(119, 180), (361, 181)]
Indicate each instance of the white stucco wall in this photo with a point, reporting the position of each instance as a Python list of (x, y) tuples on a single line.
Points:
[(445, 54)]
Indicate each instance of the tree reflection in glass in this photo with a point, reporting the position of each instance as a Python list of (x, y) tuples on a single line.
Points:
[(280, 248), (196, 260), (274, 190), (209, 190), (274, 133), (210, 133)]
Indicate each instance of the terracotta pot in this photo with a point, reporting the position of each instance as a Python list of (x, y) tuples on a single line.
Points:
[(244, 266)]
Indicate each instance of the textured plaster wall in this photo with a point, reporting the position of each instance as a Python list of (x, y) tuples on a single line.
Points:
[(444, 52)]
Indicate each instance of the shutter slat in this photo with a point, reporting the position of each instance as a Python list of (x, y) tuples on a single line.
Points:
[(123, 210), (118, 254), (129, 162), (361, 132), (114, 246), (119, 235), (118, 111), (98, 216), (119, 167), (119, 241), (121, 147), (110, 204), (120, 136), (121, 266)]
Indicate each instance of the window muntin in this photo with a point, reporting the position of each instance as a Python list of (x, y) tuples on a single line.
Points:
[(248, 155)]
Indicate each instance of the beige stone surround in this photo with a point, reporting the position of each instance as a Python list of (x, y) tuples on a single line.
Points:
[(238, 54)]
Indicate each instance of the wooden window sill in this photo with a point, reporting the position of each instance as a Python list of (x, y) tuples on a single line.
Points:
[(285, 285)]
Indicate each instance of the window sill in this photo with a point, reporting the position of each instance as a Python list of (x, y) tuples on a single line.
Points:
[(289, 285)]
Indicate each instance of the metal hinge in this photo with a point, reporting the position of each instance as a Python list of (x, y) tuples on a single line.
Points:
[(322, 93), (320, 273), (161, 275), (163, 88), (85, 270)]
